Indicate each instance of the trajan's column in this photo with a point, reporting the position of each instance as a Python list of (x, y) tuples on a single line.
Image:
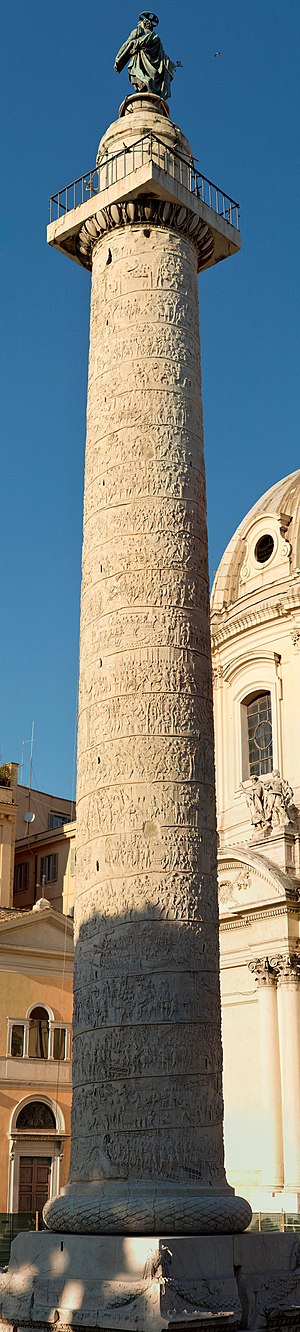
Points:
[(140, 1239), (147, 1125)]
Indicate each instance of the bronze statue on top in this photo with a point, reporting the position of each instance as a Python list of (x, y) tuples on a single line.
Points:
[(149, 68)]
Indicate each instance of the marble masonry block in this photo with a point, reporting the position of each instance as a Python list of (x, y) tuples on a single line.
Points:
[(145, 1284), (267, 1268), (125, 1284)]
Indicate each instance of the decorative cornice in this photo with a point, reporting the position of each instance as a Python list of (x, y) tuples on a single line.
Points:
[(149, 211), (260, 613), (239, 921)]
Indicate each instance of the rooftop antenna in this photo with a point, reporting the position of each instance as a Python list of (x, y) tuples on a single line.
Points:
[(22, 762)]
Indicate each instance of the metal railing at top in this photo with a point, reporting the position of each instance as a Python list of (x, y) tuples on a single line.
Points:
[(117, 167)]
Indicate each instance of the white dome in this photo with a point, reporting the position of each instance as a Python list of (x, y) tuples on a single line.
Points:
[(265, 548)]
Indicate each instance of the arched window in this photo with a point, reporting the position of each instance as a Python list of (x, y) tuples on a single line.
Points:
[(36, 1115), (38, 1033), (38, 1036), (260, 743)]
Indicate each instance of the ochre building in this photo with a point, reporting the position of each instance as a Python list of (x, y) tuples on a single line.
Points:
[(36, 991)]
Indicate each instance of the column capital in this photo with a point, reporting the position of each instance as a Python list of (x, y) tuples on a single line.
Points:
[(287, 967), (217, 675), (264, 971)]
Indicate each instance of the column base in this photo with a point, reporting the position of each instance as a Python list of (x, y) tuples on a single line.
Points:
[(148, 1284), (117, 1208)]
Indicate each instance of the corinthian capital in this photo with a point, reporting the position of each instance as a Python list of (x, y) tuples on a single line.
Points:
[(264, 971), (287, 968)]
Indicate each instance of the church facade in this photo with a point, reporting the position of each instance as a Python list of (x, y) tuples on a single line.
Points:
[(255, 621)]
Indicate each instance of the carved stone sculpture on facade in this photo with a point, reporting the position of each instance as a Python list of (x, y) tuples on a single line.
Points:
[(278, 797), (255, 802), (149, 68), (269, 799)]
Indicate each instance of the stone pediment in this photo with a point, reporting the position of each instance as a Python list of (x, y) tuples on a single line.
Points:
[(248, 881), (47, 931)]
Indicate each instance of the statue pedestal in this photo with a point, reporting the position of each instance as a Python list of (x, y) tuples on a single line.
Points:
[(143, 1284), (281, 846)]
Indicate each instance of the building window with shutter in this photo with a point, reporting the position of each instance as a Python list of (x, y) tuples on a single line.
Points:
[(17, 1040), (21, 876), (49, 868), (38, 1036), (56, 820), (59, 1043)]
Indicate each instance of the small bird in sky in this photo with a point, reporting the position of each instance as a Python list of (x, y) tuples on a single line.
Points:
[(217, 53)]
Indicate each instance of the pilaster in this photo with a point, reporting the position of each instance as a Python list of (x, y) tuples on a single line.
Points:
[(270, 1147), (288, 973)]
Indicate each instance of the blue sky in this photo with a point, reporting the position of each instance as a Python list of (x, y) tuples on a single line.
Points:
[(241, 114)]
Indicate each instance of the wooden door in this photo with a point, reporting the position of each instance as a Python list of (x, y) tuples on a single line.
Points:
[(34, 1182)]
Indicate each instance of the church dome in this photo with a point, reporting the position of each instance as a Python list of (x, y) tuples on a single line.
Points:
[(265, 549)]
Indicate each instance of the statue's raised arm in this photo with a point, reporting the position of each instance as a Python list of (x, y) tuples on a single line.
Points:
[(149, 68)]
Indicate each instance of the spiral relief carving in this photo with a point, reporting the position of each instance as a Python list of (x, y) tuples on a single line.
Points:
[(147, 1118)]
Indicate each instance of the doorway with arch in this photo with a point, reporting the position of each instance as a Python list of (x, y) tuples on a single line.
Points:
[(37, 1135)]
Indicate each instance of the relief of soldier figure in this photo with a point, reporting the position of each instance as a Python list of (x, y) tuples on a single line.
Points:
[(270, 802), (149, 68)]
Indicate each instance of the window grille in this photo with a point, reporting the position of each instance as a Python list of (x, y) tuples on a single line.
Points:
[(260, 744), (36, 1115)]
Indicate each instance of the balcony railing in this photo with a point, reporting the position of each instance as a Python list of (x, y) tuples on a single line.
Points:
[(148, 149)]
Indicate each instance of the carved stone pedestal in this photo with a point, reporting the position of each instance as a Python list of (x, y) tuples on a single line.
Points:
[(281, 847), (139, 1284)]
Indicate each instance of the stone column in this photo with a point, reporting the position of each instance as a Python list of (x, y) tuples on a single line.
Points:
[(288, 970), (147, 1126), (270, 1146)]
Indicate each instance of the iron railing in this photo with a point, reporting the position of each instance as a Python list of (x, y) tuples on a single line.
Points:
[(119, 165), (266, 1221), (11, 1223)]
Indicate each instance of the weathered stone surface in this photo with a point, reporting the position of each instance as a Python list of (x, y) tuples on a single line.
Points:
[(146, 985), (117, 1283), (145, 1284)]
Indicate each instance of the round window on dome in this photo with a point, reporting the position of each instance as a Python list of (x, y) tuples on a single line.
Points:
[(264, 548)]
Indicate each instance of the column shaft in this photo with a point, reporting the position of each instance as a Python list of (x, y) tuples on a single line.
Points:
[(289, 1021), (270, 1145), (147, 1118), (147, 1083)]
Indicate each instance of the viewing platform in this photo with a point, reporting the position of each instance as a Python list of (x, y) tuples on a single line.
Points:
[(145, 167)]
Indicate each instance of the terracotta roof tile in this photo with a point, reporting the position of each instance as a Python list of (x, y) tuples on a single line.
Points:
[(9, 913)]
